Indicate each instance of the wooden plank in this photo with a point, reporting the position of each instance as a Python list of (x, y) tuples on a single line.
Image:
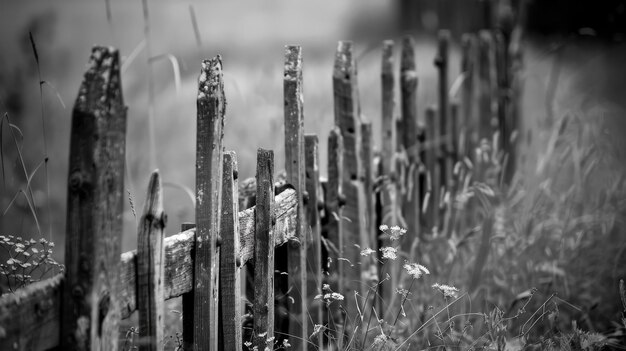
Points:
[(263, 306), (36, 310), (388, 140), (370, 239), (150, 302), (211, 105), (488, 115), (408, 96), (469, 107), (389, 190), (347, 110), (430, 157), (295, 168), (314, 204), (95, 203), (187, 297), (444, 140), (335, 201), (230, 262), (453, 185), (29, 318)]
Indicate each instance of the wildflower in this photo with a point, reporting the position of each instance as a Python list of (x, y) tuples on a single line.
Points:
[(336, 296), (402, 292), (389, 253), (415, 270), (383, 227), (286, 343), (446, 290), (380, 340), (367, 252), (396, 232)]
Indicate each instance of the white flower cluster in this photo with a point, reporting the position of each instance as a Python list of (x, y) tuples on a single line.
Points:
[(415, 270), (389, 252), (394, 232), (446, 290)]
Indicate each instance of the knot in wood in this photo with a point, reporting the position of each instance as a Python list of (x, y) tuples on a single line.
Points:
[(76, 180), (439, 62), (320, 205), (235, 174), (305, 197), (78, 292), (341, 200)]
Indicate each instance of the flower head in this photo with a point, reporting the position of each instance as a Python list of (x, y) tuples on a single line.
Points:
[(367, 252), (415, 270), (389, 252), (446, 290)]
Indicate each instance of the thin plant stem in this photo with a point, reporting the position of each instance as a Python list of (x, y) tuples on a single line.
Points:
[(403, 301)]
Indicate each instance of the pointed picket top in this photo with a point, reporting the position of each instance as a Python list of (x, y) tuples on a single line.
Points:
[(150, 268), (101, 89)]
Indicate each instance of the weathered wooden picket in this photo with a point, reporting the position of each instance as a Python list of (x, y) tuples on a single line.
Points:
[(410, 182)]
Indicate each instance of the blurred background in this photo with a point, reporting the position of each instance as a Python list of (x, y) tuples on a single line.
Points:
[(574, 56)]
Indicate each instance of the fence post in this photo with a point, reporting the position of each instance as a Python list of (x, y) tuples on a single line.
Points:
[(444, 140), (389, 187), (430, 158), (263, 329), (187, 301), (314, 253), (347, 110), (95, 203), (150, 267), (334, 227), (295, 167), (211, 105), (486, 74), (408, 95), (230, 263), (388, 140), (368, 182), (454, 177)]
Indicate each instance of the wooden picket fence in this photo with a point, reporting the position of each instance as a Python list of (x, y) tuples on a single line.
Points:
[(410, 184)]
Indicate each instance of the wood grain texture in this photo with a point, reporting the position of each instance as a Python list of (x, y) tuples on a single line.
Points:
[(487, 80), (347, 109), (347, 118), (36, 310), (432, 166), (408, 97), (295, 168), (230, 286), (150, 254), (444, 136), (313, 204), (469, 107), (369, 238), (94, 208), (263, 306), (388, 139), (211, 105), (187, 297), (335, 201), (29, 318), (389, 189)]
